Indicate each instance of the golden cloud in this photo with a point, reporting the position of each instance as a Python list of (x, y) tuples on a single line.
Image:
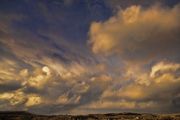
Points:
[(33, 100), (138, 33), (145, 87)]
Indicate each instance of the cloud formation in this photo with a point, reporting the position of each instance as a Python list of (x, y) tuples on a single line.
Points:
[(133, 60), (143, 93), (148, 37), (136, 33)]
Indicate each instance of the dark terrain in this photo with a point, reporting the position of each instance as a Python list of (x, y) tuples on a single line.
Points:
[(110, 116)]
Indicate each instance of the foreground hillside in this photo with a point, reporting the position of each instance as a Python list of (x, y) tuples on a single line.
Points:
[(110, 116)]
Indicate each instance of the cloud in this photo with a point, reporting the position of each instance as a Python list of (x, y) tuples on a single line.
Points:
[(144, 89), (136, 33), (42, 72), (163, 67), (33, 100), (39, 85), (136, 95)]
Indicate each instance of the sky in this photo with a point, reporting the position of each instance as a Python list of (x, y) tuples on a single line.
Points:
[(90, 56)]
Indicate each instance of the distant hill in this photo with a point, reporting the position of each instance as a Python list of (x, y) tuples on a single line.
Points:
[(21, 115)]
